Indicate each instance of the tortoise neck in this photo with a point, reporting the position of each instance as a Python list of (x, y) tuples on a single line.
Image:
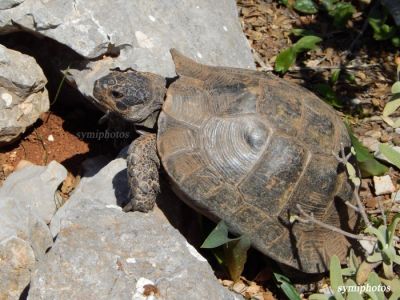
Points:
[(151, 121)]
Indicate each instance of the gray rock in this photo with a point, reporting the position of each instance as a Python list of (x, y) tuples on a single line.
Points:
[(34, 187), (24, 239), (103, 253), (16, 261), (26, 203), (6, 4), (141, 31), (23, 96)]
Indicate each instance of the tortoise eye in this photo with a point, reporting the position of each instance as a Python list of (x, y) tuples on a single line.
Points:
[(116, 94)]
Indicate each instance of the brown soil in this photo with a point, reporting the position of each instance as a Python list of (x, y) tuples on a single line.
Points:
[(55, 137)]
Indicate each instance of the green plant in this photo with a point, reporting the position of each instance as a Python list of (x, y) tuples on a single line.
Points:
[(382, 30), (326, 90), (286, 286), (394, 103), (367, 163), (287, 57), (229, 252), (340, 11), (385, 252)]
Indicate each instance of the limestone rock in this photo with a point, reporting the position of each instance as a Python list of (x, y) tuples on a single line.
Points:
[(23, 96), (103, 253), (26, 204), (24, 239), (139, 32), (383, 185), (34, 187)]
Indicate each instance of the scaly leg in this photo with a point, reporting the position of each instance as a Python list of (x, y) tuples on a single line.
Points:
[(143, 178)]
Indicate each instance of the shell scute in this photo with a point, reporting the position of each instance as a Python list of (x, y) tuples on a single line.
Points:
[(286, 115), (270, 183)]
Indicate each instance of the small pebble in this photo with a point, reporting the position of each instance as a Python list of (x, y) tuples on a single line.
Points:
[(373, 133), (396, 140), (7, 169), (367, 245), (226, 282), (397, 130), (385, 138), (326, 291), (239, 287), (396, 197), (383, 185), (375, 102), (50, 138), (389, 129), (371, 143), (13, 155)]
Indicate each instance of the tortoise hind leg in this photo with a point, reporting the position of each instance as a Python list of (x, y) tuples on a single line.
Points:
[(143, 178)]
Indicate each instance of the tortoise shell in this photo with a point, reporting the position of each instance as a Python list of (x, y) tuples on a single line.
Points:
[(246, 147)]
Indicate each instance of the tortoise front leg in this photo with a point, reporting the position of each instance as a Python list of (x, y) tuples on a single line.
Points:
[(143, 178)]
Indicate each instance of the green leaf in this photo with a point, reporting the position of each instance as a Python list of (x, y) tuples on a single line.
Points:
[(377, 233), (367, 163), (362, 153), (396, 87), (341, 13), (301, 32), (353, 260), (306, 6), (394, 286), (336, 276), (382, 31), (352, 174), (373, 280), (396, 41), (285, 59), (350, 78), (377, 256), (352, 295), (306, 43), (217, 237), (235, 254), (389, 254), (392, 155), (372, 167), (318, 297), (391, 107), (284, 2), (335, 76), (328, 4), (287, 287), (392, 228), (328, 94)]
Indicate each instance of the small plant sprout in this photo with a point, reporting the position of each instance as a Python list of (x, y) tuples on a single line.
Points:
[(394, 104), (229, 252), (287, 57)]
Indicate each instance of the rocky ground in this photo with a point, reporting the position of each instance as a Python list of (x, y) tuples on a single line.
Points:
[(56, 136)]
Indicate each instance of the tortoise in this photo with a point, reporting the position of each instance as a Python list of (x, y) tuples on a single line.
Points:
[(241, 146)]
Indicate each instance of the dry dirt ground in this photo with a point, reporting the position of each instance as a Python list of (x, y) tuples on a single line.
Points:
[(267, 25)]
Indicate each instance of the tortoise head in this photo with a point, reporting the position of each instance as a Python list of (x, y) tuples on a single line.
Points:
[(132, 95)]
